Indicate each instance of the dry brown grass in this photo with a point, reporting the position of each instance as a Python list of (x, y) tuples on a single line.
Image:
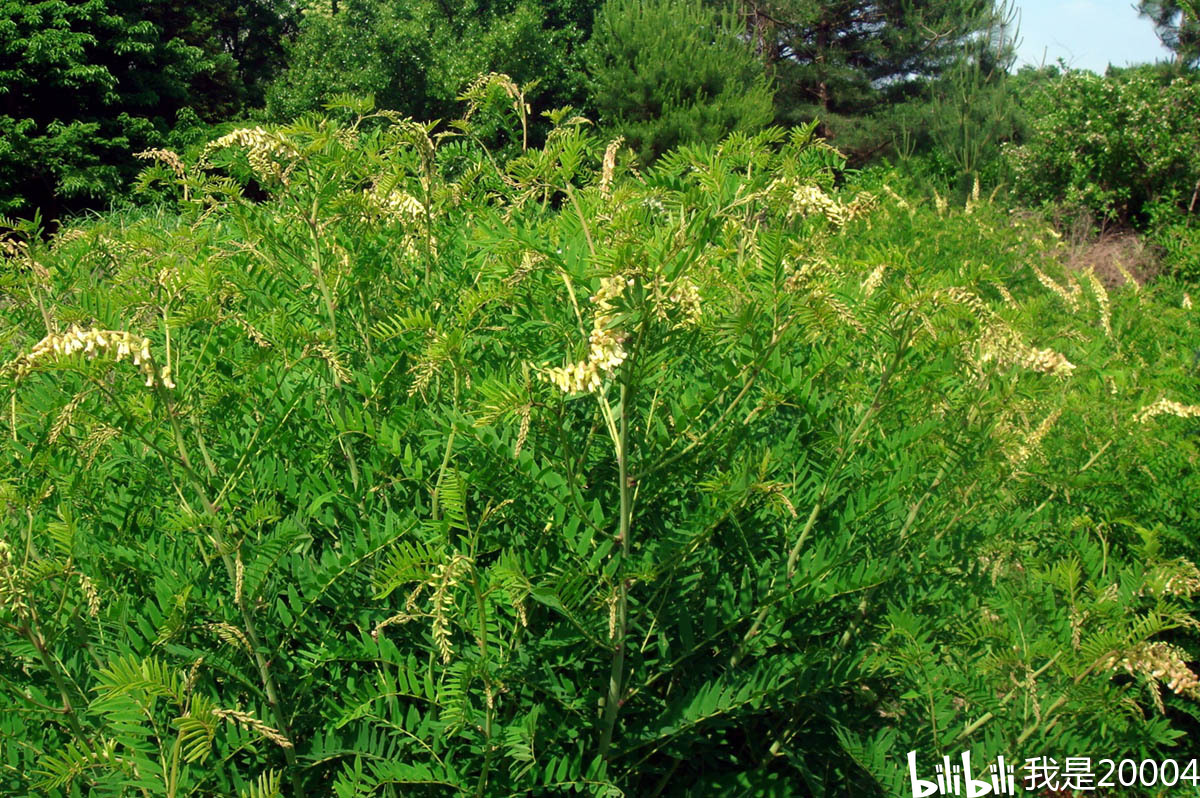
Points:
[(1115, 257), (1114, 254)]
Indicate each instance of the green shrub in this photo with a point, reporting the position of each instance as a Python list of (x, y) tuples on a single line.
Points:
[(1180, 245), (1111, 145), (415, 58), (434, 474), (667, 72)]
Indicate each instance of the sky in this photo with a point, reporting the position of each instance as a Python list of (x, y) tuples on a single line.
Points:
[(1087, 34)]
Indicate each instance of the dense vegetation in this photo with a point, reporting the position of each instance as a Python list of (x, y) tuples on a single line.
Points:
[(87, 84), (578, 412), (431, 474), (712, 85), (84, 85)]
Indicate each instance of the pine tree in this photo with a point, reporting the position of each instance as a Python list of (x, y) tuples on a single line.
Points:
[(665, 72), (1177, 23), (846, 56)]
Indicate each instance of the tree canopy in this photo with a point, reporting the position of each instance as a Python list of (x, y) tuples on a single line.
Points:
[(664, 72), (411, 55), (845, 56), (1177, 23), (84, 85)]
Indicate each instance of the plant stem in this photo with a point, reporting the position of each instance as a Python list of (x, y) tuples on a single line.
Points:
[(587, 233), (830, 478), (612, 701), (39, 644), (327, 297), (264, 668), (987, 716), (488, 710)]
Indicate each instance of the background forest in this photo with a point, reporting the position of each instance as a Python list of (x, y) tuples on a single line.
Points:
[(647, 397)]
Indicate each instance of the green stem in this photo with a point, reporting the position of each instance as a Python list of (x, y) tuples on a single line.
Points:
[(35, 639), (264, 669), (327, 298), (612, 702), (487, 711), (752, 371), (173, 775), (587, 233), (437, 488), (822, 497)]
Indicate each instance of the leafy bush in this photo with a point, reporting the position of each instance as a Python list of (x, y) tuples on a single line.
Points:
[(668, 72), (85, 85), (412, 58), (1179, 242), (429, 474), (1112, 145)]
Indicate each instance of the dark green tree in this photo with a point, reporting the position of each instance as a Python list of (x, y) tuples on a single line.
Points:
[(849, 56), (1177, 23), (416, 57), (82, 86), (85, 84), (664, 72), (243, 42)]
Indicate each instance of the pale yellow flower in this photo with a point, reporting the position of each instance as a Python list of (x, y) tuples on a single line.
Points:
[(92, 343)]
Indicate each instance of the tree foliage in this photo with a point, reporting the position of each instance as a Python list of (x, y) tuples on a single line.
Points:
[(84, 85), (1118, 146), (844, 57), (416, 57), (1177, 23), (667, 72)]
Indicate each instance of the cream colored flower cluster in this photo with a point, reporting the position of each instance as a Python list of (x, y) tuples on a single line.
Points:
[(1069, 295), (605, 355), (609, 165), (683, 301), (403, 207), (120, 344), (12, 593), (1030, 445), (803, 273), (999, 342), (396, 203), (610, 288), (171, 159), (264, 150), (1180, 578), (809, 199), (1159, 662), (605, 346), (1165, 407), (1047, 361), (1102, 301), (1004, 345), (874, 280), (957, 295)]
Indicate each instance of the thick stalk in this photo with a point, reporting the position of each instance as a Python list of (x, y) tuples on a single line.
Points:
[(612, 701)]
